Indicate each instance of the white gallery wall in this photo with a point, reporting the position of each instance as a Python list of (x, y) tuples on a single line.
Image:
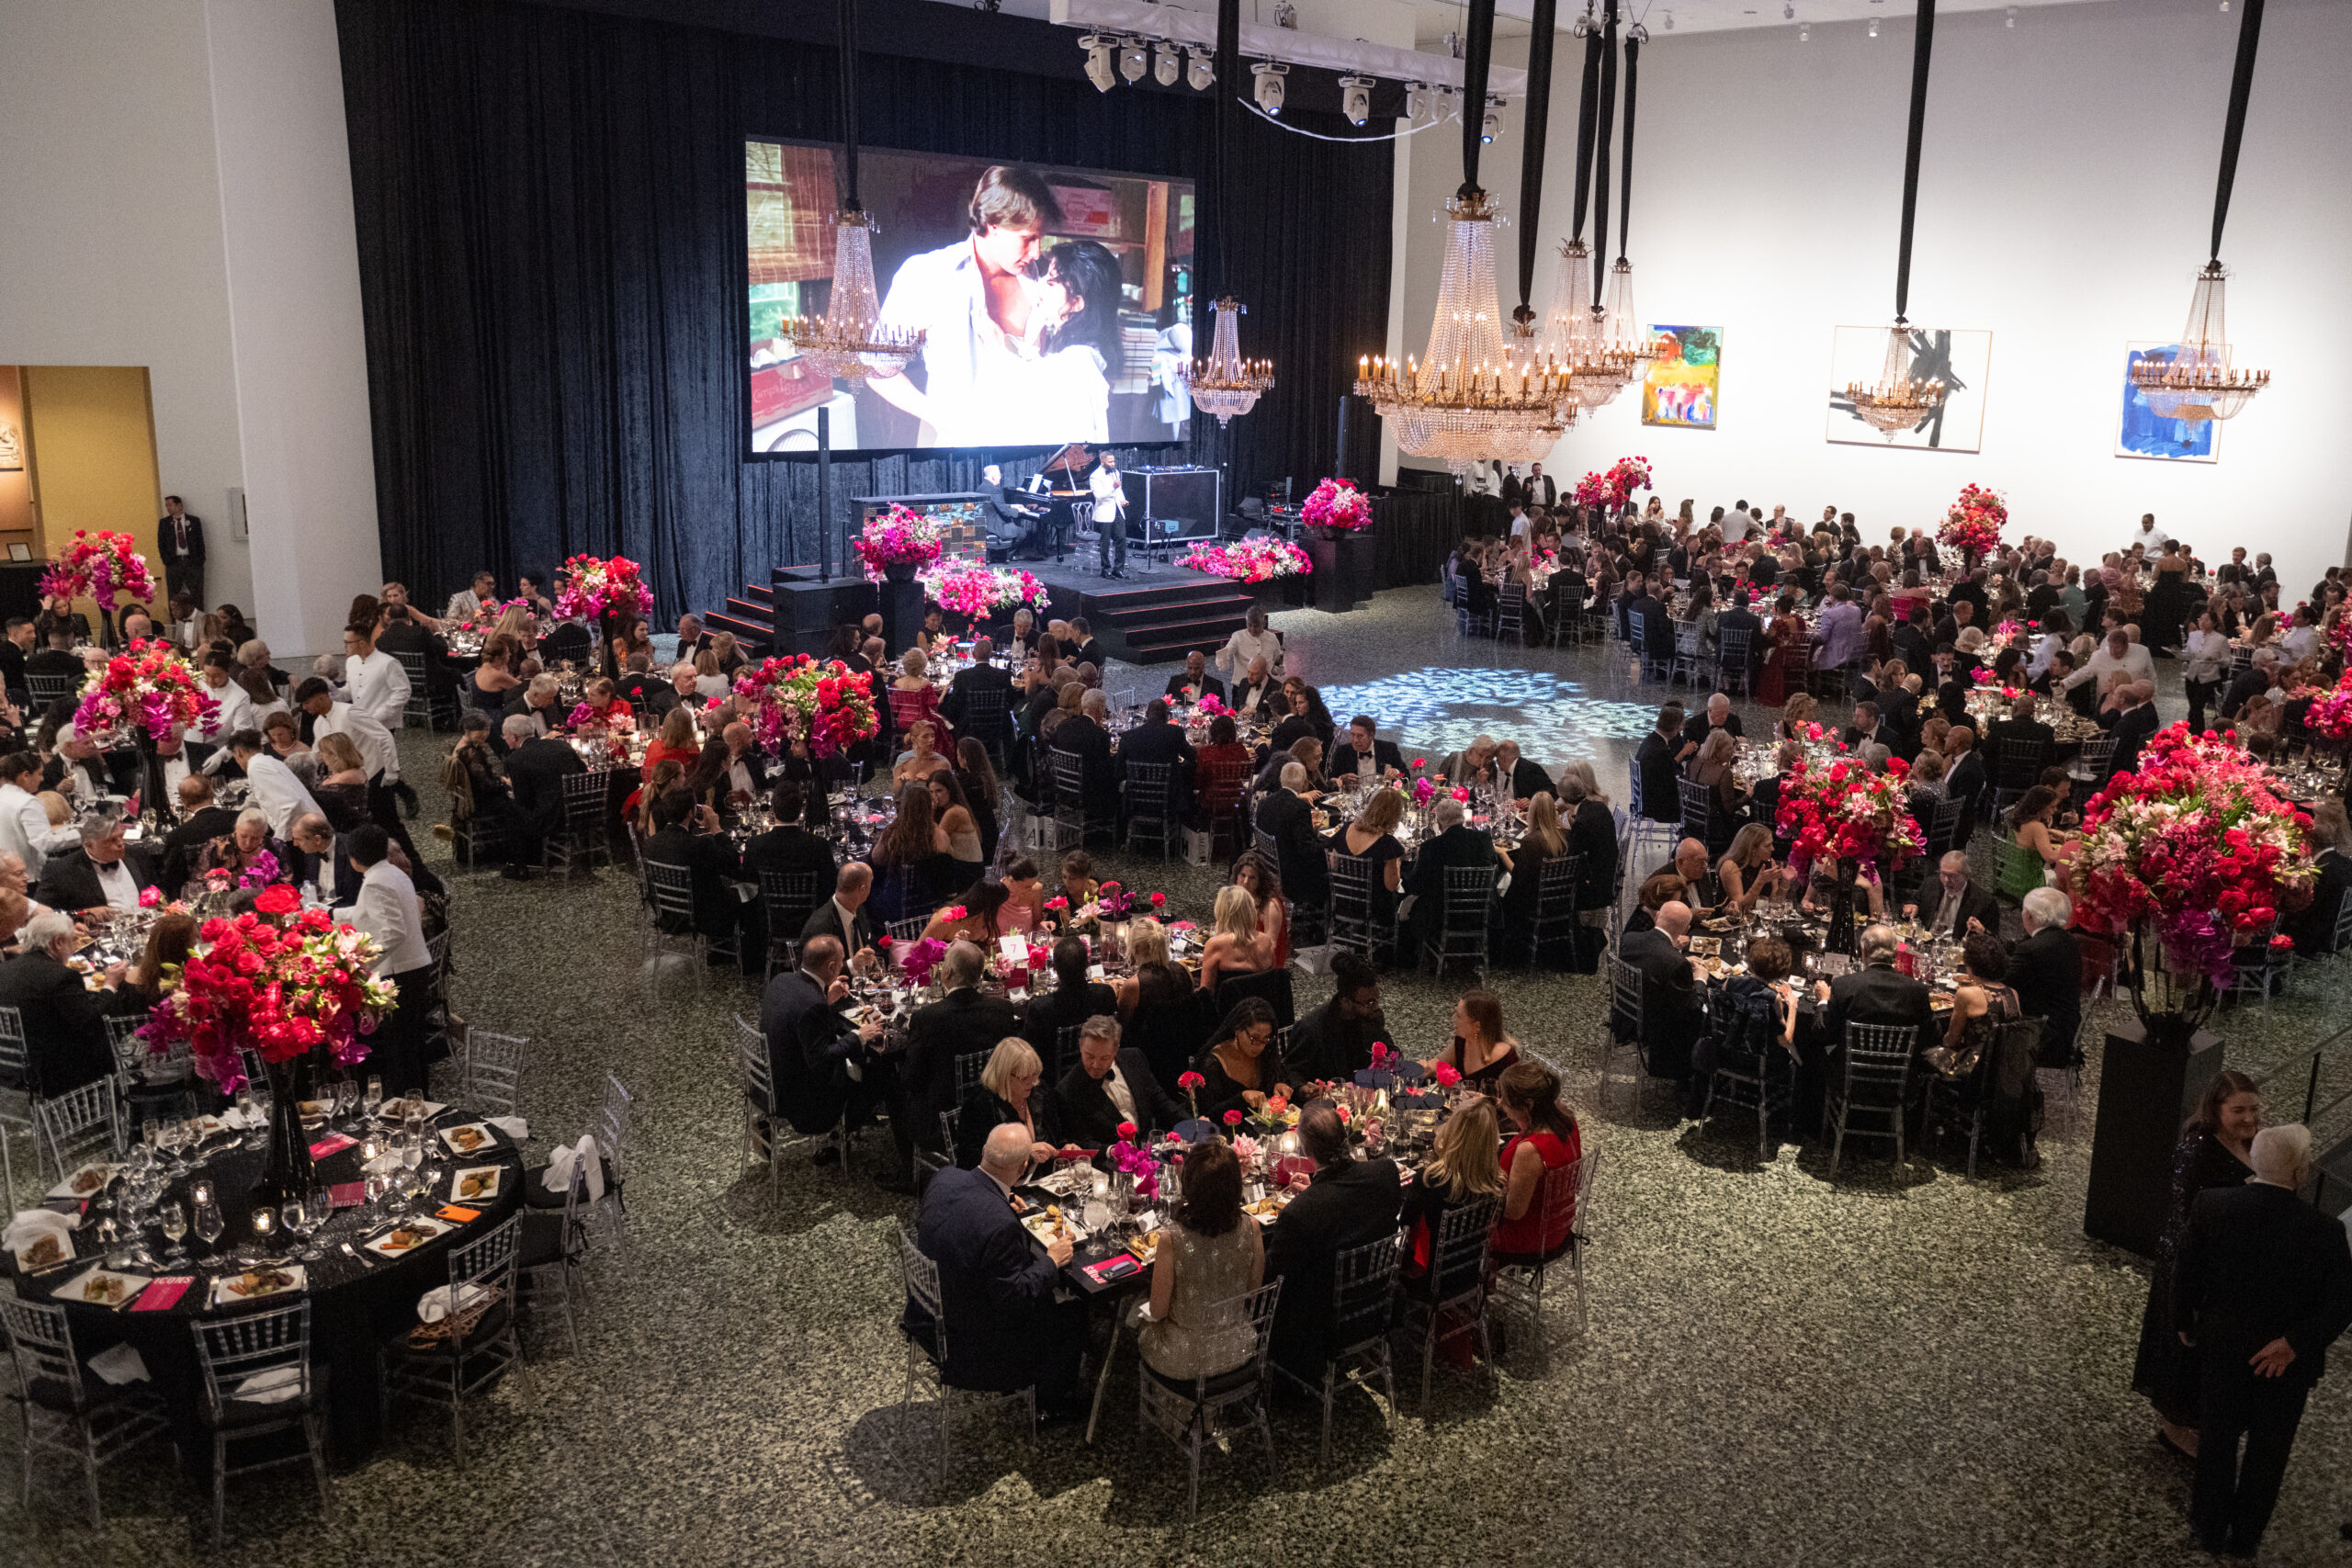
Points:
[(175, 192), (2065, 200)]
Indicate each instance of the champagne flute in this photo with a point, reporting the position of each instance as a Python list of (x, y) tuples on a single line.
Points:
[(208, 1222), (320, 1205), (374, 1099), (173, 1221), (346, 1095)]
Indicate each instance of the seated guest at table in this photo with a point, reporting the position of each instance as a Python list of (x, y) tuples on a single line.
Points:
[(249, 850), (1079, 885), (2046, 970), (954, 828), (1764, 995), (1240, 1068), (1715, 767), (1673, 1015), (1156, 742), (1472, 767), (1543, 841), (843, 915), (1464, 1167), (1877, 993), (202, 822), (981, 677), (64, 1031), (1867, 729), (1194, 681), (1457, 843), (171, 942), (1367, 755), (1592, 839), (1303, 717), (1546, 1137), (1007, 1094), (2313, 928), (977, 916), (2032, 820), (1522, 779), (1288, 819), (536, 701), (1108, 1084), (1210, 1255), (1307, 752), (1253, 872), (1654, 892), (1716, 717), (788, 846), (1220, 771), (920, 759), (911, 872), (1072, 1001), (1372, 836), (1334, 1041), (1653, 768), (1025, 895), (1955, 906), (965, 1022), (1236, 944), (1086, 735), (689, 835), (1159, 1005), (101, 872), (1257, 690), (1748, 872), (2133, 726), (341, 788), (997, 1287), (1481, 1050), (1690, 863), (537, 766), (1346, 1203)]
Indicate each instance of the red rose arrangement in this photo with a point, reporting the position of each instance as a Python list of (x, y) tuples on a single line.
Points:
[(1844, 811), (2330, 718), (281, 991), (148, 684), (1613, 486), (1446, 1073), (107, 566), (597, 586), (2194, 842), (1972, 526), (1248, 560), (796, 696)]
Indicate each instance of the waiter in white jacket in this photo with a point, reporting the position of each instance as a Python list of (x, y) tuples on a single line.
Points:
[(373, 681), (1252, 641), (378, 752), (24, 824), (388, 911)]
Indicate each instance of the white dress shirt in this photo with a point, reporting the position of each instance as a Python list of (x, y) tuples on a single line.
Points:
[(2136, 662), (2207, 655), (1245, 644), (121, 888), (1110, 494), (2300, 643), (1116, 1086), (278, 794), (387, 911), (25, 830), (378, 754), (377, 686), (2045, 647)]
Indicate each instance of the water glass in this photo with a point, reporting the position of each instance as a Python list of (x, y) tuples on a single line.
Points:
[(374, 1099), (208, 1222), (173, 1222)]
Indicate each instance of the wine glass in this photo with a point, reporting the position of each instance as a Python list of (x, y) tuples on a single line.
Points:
[(208, 1222), (301, 1222), (413, 1160), (346, 1095), (318, 1204), (173, 1221), (374, 1099)]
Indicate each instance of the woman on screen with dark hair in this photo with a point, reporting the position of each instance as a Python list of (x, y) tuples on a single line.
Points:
[(1077, 299)]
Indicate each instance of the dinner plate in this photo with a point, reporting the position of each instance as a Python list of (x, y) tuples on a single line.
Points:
[(86, 1182), (1041, 1225), (488, 1175), (230, 1289), (469, 1138), (102, 1287), (397, 1110), (389, 1243)]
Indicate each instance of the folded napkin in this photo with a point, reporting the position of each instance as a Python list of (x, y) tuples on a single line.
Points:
[(433, 1305), (238, 1120), (31, 1224), (273, 1387), (120, 1365), (560, 1166), (514, 1127)]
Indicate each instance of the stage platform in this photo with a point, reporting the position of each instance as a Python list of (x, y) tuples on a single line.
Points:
[(1157, 614)]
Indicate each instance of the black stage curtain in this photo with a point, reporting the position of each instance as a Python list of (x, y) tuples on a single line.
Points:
[(550, 207), (1412, 531)]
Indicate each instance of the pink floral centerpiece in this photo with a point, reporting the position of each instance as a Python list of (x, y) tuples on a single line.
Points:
[(827, 704), (1614, 485), (978, 591), (898, 539), (148, 688), (1972, 526), (1250, 560), (1338, 505), (595, 587), (104, 566)]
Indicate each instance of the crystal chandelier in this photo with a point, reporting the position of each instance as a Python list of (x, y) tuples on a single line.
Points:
[(1471, 397), (1225, 384), (2199, 382), (1895, 403), (1575, 333), (849, 341)]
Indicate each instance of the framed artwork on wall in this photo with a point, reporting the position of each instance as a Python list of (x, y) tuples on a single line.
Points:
[(1962, 359), (2143, 433), (1682, 388)]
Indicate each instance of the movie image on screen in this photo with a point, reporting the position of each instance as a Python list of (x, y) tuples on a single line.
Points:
[(1053, 301)]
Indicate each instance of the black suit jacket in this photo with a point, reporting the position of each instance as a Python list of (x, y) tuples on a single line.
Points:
[(1738, 620), (1879, 994), (1086, 1115), (1975, 904), (827, 921), (1459, 845), (534, 775), (167, 545), (1307, 876), (68, 881), (1527, 780), (2132, 732), (1082, 738), (1155, 745), (974, 678), (1048, 1014), (1346, 1205), (1267, 690), (2031, 734), (808, 1040), (996, 1286), (1209, 685), (958, 1025), (1671, 1020), (790, 849), (2259, 1264), (1655, 771), (184, 842), (65, 1031), (1340, 757), (711, 858), (518, 701), (2046, 972)]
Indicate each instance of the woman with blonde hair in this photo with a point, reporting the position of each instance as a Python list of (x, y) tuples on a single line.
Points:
[(921, 758), (1543, 841), (1465, 1168), (341, 789), (1581, 771), (1007, 1092), (1236, 944), (709, 681), (914, 700), (1747, 871)]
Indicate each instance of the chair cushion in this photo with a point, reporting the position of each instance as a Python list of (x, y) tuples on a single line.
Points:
[(1239, 1377), (542, 1240)]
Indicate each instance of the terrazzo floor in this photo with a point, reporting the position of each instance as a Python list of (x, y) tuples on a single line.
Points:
[(1779, 1369)]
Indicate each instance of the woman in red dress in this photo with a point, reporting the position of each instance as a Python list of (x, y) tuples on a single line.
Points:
[(1548, 1138), (1788, 633)]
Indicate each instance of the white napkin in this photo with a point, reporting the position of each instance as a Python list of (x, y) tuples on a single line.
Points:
[(120, 1365), (237, 1120), (433, 1305), (30, 1224), (560, 1166), (273, 1387), (515, 1127)]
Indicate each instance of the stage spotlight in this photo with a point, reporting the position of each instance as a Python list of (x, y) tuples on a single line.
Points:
[(1355, 97), (1099, 69), (1269, 74), (1416, 102), (1201, 75), (1492, 126), (1167, 63), (1135, 60)]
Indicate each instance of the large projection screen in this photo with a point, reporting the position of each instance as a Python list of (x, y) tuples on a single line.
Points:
[(1061, 318)]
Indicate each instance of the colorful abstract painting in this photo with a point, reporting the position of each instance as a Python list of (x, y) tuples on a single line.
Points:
[(1683, 385), (1961, 360), (2143, 434)]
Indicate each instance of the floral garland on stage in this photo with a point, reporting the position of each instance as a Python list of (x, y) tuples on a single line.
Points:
[(1972, 526), (1845, 812), (828, 703), (1337, 504), (897, 536), (104, 566), (595, 588), (1250, 561), (968, 588), (150, 685), (2195, 843), (278, 990), (1614, 485)]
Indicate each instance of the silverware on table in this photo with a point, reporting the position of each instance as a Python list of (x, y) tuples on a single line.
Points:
[(350, 1251)]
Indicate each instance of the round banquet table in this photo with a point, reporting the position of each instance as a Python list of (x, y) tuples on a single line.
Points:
[(355, 1305)]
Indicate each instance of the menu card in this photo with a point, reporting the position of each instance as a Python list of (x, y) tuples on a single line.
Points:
[(333, 1143), (164, 1292)]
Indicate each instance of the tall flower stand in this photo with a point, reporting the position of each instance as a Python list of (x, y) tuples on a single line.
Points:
[(901, 605), (2148, 1085), (1344, 575)]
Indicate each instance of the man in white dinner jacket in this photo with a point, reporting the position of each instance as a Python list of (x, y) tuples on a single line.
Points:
[(25, 830), (388, 911)]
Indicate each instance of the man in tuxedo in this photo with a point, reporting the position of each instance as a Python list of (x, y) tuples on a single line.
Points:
[(1741, 618), (1156, 742), (1195, 682), (2021, 735), (103, 872), (1011, 523), (2262, 1286), (1087, 736), (2132, 728), (1525, 779), (1877, 993), (1456, 844), (1656, 771), (1335, 1041), (58, 661), (1083, 647), (789, 847), (979, 677), (202, 822), (2256, 678), (321, 861), (14, 647), (1539, 488), (843, 917), (2046, 972), (1956, 906), (1287, 814), (64, 1020), (537, 766), (1655, 623), (403, 634), (1914, 643), (1868, 730), (1672, 1016), (535, 703), (1347, 1202), (1256, 688), (820, 1065), (1367, 755), (179, 539), (1108, 1086), (689, 835), (965, 1022)]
